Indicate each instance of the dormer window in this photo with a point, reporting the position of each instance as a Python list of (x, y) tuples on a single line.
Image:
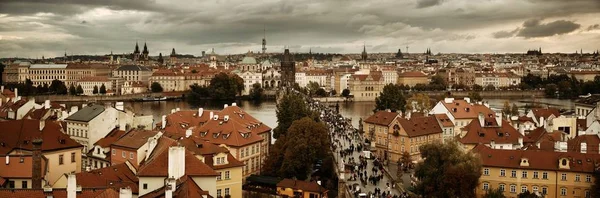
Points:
[(216, 135), (203, 134), (564, 162), (225, 136), (245, 135)]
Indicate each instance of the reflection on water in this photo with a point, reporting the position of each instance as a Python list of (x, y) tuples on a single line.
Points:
[(265, 111)]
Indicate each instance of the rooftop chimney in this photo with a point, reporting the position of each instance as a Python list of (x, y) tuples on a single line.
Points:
[(176, 163), (16, 92), (211, 115), (468, 100), (152, 142), (71, 186), (225, 106), (200, 112), (499, 119), (125, 192), (119, 106), (481, 119), (164, 122), (177, 109), (234, 104), (170, 187), (36, 169), (2, 89), (522, 129), (47, 104), (188, 133), (7, 160), (42, 124)]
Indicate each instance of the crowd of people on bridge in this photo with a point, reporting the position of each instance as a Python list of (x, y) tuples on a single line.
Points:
[(348, 143)]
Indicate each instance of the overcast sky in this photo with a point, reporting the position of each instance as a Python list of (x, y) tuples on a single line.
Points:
[(35, 28)]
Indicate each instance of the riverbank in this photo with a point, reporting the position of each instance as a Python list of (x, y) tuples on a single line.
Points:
[(459, 94), (97, 98)]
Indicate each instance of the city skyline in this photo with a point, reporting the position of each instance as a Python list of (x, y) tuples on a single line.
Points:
[(33, 29)]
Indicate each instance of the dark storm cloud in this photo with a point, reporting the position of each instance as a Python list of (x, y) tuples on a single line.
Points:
[(535, 28), (428, 3), (505, 34), (593, 27), (70, 7)]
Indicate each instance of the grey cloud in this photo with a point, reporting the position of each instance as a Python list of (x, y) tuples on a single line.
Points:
[(428, 3), (505, 34), (534, 28), (593, 27)]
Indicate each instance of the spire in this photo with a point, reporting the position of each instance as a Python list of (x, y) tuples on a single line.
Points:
[(364, 53), (137, 48), (173, 52), (145, 49), (264, 41)]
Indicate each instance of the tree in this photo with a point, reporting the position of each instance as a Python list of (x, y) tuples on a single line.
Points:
[(514, 110), (312, 88), (197, 93), (333, 92), (72, 90), (58, 87), (447, 171), (475, 96), (550, 90), (419, 103), (596, 186), (95, 91), (360, 125), (490, 87), (321, 92), (399, 171), (506, 110), (79, 90), (102, 89), (438, 83), (494, 193), (256, 92), (346, 93), (225, 87), (391, 98), (405, 160), (477, 87), (291, 107), (295, 152), (194, 71), (155, 87), (527, 194)]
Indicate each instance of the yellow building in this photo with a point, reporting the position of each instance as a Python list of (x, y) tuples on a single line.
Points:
[(298, 188), (378, 129), (412, 78), (546, 173), (366, 87), (412, 133)]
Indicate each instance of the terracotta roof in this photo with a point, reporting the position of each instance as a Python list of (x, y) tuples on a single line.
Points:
[(301, 185), (17, 169), (59, 193), (374, 75), (134, 139), (538, 159), (412, 74), (94, 79), (460, 109), (419, 126), (111, 137), (11, 106), (17, 134), (383, 118), (534, 135), (545, 112), (36, 114), (8, 93), (186, 188), (206, 149), (592, 143), (523, 119), (444, 120), (180, 121), (484, 135), (239, 130), (115, 176), (158, 164)]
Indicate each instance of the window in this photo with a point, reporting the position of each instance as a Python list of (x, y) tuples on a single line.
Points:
[(513, 188), (486, 186), (563, 191), (23, 184), (486, 171), (587, 194), (524, 174), (544, 175), (577, 178), (242, 152), (588, 178), (226, 191), (513, 173), (502, 173), (544, 190), (563, 176), (523, 189), (60, 160), (131, 155), (73, 157), (534, 189), (501, 187), (218, 192), (145, 186), (227, 175), (219, 176), (123, 154), (535, 174)]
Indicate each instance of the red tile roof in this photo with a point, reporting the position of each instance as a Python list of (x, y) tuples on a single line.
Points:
[(301, 185), (420, 126), (412, 74), (116, 176), (484, 135), (592, 143), (186, 187), (59, 193), (382, 118), (444, 120), (16, 169), (134, 139), (545, 112), (111, 137), (373, 75), (460, 109), (158, 163), (239, 130), (17, 134)]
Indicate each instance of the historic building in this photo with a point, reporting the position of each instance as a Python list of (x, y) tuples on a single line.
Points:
[(288, 69)]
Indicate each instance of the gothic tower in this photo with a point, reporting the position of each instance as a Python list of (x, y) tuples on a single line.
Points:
[(173, 57), (136, 52), (364, 53), (264, 42), (145, 52), (288, 69)]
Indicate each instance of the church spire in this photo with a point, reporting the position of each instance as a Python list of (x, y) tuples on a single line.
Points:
[(145, 49), (364, 53), (264, 41), (137, 48)]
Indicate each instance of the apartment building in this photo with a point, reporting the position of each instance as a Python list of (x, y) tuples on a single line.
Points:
[(133, 73), (461, 112), (366, 87), (90, 82), (412, 78)]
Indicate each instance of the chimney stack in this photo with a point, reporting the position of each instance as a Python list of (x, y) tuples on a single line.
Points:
[(47, 104), (200, 111), (16, 92), (42, 125), (176, 164), (225, 106), (125, 192), (170, 187), (164, 122), (234, 104), (188, 133), (1, 89), (71, 186), (481, 119), (36, 169)]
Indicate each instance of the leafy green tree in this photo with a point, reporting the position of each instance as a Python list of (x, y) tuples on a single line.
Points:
[(346, 93), (418, 102), (490, 87), (305, 142), (40, 89), (79, 90), (197, 93), (447, 171), (477, 87), (312, 88), (95, 90), (333, 92), (527, 194), (494, 193), (256, 92), (155, 87), (475, 96), (550, 90), (321, 92), (72, 90), (226, 87), (58, 87), (515, 110), (460, 87), (102, 89), (438, 83), (392, 98), (290, 108)]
